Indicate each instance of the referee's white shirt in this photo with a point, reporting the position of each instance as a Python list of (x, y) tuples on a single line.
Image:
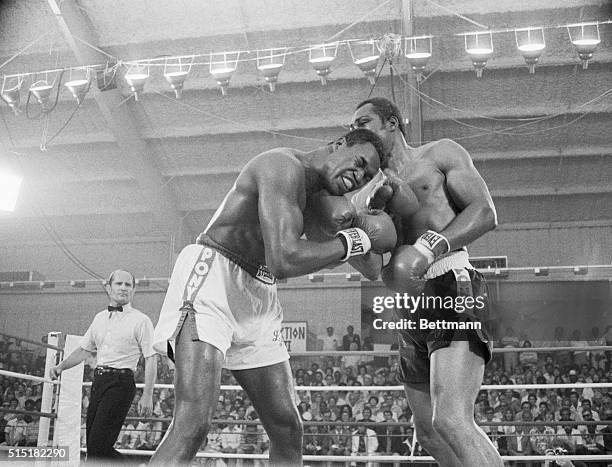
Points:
[(119, 337)]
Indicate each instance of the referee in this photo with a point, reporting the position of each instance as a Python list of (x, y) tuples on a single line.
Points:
[(117, 336)]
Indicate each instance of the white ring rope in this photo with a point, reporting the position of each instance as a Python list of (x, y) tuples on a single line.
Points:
[(418, 459), (230, 387), (38, 379)]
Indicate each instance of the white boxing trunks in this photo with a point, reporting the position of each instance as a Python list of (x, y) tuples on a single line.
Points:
[(233, 304)]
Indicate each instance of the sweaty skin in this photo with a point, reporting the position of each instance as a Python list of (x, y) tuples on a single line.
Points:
[(441, 189), (261, 218), (437, 188)]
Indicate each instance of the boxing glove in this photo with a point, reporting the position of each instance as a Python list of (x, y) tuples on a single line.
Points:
[(380, 229), (403, 202), (372, 197), (325, 215), (409, 263)]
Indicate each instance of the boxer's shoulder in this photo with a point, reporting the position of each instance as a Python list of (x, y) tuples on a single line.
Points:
[(279, 163), (445, 153)]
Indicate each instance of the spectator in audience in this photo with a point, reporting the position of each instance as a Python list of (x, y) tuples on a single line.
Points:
[(33, 423), (352, 360), (252, 441), (15, 431), (312, 441), (580, 357), (528, 359), (569, 438), (407, 435), (330, 341), (563, 358), (592, 437), (541, 438), (492, 431), (230, 438), (365, 443), (508, 427), (349, 338), (526, 408), (607, 431), (389, 437), (520, 445), (342, 436), (510, 339), (366, 415)]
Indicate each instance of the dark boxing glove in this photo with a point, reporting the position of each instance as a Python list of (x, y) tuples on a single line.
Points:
[(409, 263), (380, 229), (403, 202)]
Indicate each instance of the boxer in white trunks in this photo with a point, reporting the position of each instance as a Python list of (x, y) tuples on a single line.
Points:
[(221, 308)]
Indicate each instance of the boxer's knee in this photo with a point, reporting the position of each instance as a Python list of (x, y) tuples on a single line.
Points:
[(287, 427), (428, 438), (192, 421)]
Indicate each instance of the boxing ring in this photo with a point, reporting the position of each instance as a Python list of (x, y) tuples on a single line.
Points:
[(61, 404)]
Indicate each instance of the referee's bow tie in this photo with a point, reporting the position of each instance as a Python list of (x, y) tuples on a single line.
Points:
[(115, 308)]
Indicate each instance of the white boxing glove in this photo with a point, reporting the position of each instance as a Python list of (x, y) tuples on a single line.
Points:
[(356, 242)]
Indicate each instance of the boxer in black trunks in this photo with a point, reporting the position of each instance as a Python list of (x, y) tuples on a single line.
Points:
[(440, 204), (221, 308)]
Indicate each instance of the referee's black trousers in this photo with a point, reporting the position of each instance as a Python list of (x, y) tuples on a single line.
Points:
[(110, 401)]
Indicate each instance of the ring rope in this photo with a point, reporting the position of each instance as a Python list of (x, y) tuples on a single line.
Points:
[(38, 379), (393, 353), (233, 421), (412, 459), (33, 342), (28, 412), (233, 387)]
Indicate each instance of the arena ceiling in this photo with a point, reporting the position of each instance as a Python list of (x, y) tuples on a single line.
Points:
[(157, 167)]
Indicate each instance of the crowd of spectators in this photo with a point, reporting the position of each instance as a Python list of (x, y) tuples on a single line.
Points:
[(340, 422), (18, 429)]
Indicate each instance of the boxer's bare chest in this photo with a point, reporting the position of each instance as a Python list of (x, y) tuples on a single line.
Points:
[(428, 204)]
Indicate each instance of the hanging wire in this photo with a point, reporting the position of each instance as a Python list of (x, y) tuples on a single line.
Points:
[(529, 121), (20, 52), (234, 122), (377, 77), (458, 15)]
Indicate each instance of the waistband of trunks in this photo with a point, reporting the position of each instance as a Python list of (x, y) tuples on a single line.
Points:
[(259, 271), (457, 259)]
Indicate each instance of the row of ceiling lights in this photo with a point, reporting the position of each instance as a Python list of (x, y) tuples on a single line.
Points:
[(366, 54)]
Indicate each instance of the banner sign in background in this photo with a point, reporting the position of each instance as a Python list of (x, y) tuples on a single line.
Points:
[(294, 334)]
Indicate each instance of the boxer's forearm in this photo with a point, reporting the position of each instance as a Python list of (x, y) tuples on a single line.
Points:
[(470, 224), (304, 257)]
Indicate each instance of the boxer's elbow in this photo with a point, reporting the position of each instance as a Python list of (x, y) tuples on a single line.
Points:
[(489, 217)]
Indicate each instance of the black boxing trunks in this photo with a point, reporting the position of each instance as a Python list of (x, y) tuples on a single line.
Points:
[(454, 307)]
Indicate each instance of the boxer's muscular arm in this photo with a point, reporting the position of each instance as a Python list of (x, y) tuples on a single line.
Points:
[(280, 180), (469, 193)]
